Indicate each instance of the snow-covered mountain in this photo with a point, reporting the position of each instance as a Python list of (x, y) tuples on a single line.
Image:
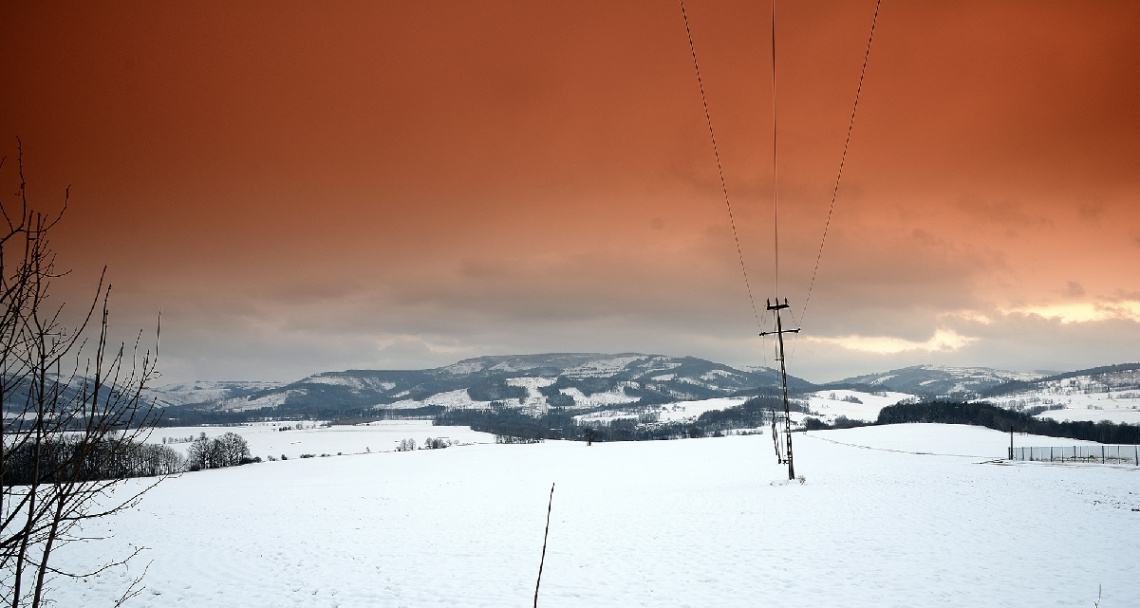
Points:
[(630, 385), (207, 391), (937, 381), (529, 382), (1105, 393)]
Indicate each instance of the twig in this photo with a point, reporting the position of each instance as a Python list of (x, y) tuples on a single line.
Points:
[(544, 535)]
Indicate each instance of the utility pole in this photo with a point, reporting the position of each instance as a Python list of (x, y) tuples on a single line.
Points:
[(779, 333)]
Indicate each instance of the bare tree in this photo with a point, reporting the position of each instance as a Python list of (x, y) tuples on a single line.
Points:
[(200, 454), (230, 450), (74, 414)]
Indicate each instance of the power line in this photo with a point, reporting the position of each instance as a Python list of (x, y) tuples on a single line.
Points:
[(842, 159), (719, 168), (775, 189)]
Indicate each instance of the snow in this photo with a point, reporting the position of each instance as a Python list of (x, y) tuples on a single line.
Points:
[(1114, 397), (354, 382), (940, 439), (716, 373), (458, 399), (615, 397), (674, 412), (464, 367), (601, 368), (402, 404), (271, 400), (532, 384), (696, 522), (826, 408), (1116, 415), (983, 372), (508, 366), (691, 410), (267, 439)]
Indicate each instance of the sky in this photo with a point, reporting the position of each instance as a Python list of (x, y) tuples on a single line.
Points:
[(301, 187)]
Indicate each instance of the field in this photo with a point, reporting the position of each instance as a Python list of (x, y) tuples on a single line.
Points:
[(906, 515), (269, 439)]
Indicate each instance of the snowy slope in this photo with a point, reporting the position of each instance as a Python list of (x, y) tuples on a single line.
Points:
[(1112, 395), (575, 380), (681, 411), (853, 405), (706, 522), (202, 391), (937, 381)]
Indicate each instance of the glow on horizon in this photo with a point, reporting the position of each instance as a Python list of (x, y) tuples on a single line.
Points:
[(943, 340), (1084, 312)]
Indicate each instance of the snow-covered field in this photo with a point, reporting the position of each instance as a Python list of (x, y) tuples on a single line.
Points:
[(267, 439), (854, 405), (695, 522), (1116, 415)]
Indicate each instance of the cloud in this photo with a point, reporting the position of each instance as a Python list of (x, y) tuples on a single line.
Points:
[(969, 316), (1004, 212), (1074, 289), (1084, 312), (1091, 211), (942, 341)]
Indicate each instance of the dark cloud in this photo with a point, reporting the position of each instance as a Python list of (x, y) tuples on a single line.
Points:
[(1091, 211), (302, 187)]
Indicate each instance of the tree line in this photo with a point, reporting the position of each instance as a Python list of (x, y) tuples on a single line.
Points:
[(71, 457), (68, 457), (992, 417)]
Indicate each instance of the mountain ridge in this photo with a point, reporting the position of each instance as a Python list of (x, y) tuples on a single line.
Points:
[(538, 381), (593, 382)]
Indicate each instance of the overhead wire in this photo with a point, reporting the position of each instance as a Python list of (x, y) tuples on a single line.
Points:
[(775, 189), (720, 168), (842, 158), (775, 166)]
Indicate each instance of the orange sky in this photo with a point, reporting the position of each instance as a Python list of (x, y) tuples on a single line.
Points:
[(309, 186)]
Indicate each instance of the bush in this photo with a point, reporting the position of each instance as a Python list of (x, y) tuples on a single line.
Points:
[(814, 424)]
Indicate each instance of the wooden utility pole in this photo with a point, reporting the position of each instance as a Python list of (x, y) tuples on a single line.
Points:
[(779, 333)]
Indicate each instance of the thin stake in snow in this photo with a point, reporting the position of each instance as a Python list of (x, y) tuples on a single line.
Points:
[(544, 535)]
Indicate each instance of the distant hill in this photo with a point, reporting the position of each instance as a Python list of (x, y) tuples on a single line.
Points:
[(935, 382), (532, 383), (1125, 376), (1100, 393), (606, 386)]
